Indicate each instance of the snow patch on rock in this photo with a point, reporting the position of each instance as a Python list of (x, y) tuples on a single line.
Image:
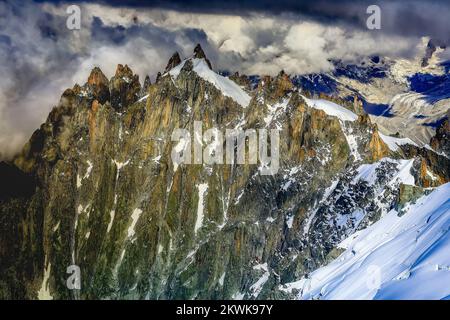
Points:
[(202, 189), (368, 172), (395, 143), (331, 109), (134, 217), (44, 291)]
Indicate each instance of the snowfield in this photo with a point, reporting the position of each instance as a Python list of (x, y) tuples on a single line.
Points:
[(394, 143), (228, 87), (398, 257), (331, 108)]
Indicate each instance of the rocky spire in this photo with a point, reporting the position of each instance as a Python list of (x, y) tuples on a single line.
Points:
[(200, 54), (158, 77), (123, 71), (276, 87), (124, 87), (99, 85), (282, 84), (358, 106), (173, 62), (377, 148), (147, 84), (97, 77)]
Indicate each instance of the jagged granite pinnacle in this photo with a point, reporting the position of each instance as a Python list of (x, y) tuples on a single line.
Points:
[(146, 85), (200, 54), (124, 87), (99, 85), (173, 62)]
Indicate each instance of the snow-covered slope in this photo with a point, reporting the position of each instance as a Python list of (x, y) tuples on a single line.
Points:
[(331, 108), (369, 172), (228, 87), (398, 257), (394, 143)]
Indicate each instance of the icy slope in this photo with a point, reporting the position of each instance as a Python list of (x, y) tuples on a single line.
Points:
[(331, 108), (394, 143), (228, 87), (403, 257), (370, 172)]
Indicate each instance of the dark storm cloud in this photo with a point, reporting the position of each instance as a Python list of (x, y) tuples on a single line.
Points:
[(405, 17), (119, 34)]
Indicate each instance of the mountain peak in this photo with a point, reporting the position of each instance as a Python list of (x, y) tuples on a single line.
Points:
[(123, 71), (146, 85), (98, 84), (200, 54), (173, 61), (124, 86), (97, 77)]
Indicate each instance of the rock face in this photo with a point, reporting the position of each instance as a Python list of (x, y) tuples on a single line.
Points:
[(430, 50), (98, 84), (105, 195), (441, 141), (377, 146), (124, 88), (173, 61), (145, 86), (241, 80), (408, 194)]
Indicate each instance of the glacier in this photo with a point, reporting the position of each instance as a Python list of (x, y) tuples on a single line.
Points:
[(398, 257)]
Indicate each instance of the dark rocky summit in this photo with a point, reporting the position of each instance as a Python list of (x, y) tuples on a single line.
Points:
[(173, 62)]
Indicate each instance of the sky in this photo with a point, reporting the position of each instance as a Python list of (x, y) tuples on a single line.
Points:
[(40, 56)]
